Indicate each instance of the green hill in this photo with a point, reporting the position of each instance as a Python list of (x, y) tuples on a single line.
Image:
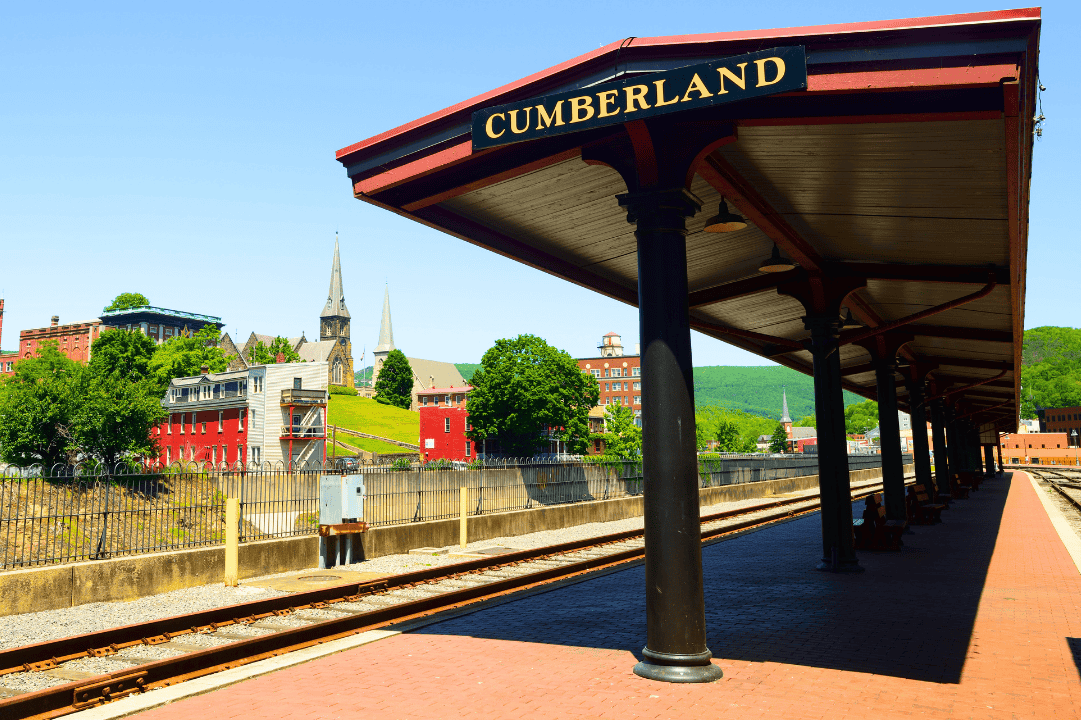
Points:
[(368, 416), (467, 369), (1050, 369), (757, 390)]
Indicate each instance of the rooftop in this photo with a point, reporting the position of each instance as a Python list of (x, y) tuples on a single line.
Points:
[(164, 312)]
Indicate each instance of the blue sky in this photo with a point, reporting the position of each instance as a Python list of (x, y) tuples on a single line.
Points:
[(187, 152)]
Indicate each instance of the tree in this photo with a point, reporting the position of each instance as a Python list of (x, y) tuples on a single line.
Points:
[(36, 408), (622, 438), (114, 416), (807, 421), (184, 356), (394, 386), (778, 442), (263, 355), (127, 301), (524, 388), (122, 354), (861, 417)]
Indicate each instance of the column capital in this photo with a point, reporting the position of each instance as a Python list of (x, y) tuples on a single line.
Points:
[(661, 209)]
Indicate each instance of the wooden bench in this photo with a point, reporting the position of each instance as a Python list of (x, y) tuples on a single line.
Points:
[(921, 511), (970, 479), (873, 531)]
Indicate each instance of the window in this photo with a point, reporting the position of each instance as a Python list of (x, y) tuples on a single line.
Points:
[(467, 448), (204, 427), (608, 387), (168, 455), (214, 454), (181, 423), (240, 426), (256, 454), (170, 424), (296, 383), (608, 373), (435, 399), (617, 400), (446, 425), (469, 426), (446, 399), (637, 399), (636, 372), (224, 453), (424, 400), (429, 442), (240, 455), (595, 373), (638, 386), (221, 424)]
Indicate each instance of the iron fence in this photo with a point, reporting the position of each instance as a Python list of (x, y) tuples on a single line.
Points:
[(68, 514)]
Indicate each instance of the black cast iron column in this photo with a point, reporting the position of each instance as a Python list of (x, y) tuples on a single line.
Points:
[(989, 460), (675, 605), (838, 553), (921, 456), (889, 439), (938, 433), (953, 444)]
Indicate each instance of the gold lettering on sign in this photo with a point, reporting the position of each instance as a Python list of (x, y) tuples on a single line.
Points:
[(580, 105), (762, 70), (696, 86), (660, 95), (544, 120), (514, 121), (605, 99), (636, 94), (726, 73), (488, 125)]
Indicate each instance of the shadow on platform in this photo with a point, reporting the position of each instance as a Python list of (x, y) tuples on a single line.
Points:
[(910, 615)]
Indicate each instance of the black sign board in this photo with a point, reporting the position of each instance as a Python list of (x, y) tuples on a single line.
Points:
[(766, 72)]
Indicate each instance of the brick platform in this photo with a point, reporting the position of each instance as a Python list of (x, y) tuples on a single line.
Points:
[(979, 617)]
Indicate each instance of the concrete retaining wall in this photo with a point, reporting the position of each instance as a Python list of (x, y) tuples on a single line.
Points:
[(128, 578)]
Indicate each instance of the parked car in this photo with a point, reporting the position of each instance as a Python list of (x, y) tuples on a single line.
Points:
[(347, 463)]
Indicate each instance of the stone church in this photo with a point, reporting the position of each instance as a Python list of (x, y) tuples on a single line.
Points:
[(334, 345)]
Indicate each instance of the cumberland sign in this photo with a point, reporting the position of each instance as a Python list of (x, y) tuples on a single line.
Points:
[(766, 72)]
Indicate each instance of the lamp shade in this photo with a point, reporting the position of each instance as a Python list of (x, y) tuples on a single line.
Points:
[(725, 220), (776, 263)]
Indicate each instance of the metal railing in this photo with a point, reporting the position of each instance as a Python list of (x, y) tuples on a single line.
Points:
[(72, 514), (68, 514), (291, 396)]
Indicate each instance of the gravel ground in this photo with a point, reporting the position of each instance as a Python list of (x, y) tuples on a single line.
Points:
[(18, 630), (1071, 513), (29, 682)]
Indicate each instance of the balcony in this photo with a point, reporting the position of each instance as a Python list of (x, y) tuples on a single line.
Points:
[(302, 432), (304, 397)]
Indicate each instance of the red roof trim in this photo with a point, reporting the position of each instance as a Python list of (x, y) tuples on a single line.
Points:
[(997, 16), (444, 391)]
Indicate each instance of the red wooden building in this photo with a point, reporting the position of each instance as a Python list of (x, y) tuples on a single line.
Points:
[(444, 421)]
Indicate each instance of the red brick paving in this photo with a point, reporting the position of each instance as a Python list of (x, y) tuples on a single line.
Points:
[(1018, 664)]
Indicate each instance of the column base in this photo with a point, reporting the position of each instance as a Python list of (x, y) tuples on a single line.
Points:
[(849, 566), (666, 667)]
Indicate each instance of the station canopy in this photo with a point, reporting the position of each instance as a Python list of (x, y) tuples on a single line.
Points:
[(902, 169)]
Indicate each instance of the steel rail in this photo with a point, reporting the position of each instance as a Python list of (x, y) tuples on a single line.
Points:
[(80, 694)]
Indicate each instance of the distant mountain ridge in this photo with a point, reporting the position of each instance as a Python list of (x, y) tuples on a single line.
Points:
[(757, 389), (753, 389)]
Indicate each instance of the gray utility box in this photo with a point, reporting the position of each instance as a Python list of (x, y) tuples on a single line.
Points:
[(341, 499)]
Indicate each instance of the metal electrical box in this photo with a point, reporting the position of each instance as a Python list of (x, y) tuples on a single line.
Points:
[(341, 499)]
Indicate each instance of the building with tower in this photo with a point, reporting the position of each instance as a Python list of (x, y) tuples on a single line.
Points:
[(386, 338)]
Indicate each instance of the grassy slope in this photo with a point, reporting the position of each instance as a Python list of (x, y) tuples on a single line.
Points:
[(372, 446), (757, 390), (368, 416)]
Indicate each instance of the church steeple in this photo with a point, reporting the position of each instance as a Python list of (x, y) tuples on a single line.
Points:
[(335, 306), (786, 421), (386, 338), (386, 332)]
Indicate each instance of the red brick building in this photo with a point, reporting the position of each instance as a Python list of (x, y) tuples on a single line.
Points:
[(444, 421), (619, 376), (1062, 420), (73, 340)]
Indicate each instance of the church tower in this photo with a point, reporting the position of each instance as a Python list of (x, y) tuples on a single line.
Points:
[(386, 338), (334, 327)]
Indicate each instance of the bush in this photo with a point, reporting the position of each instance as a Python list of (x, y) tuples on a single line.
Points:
[(342, 390), (401, 464)]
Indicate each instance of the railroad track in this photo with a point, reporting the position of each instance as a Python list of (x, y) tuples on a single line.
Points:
[(164, 652), (1067, 485)]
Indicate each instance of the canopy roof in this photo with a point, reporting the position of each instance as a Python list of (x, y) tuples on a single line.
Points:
[(905, 163)]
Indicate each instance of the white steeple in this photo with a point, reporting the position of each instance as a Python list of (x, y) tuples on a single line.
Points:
[(784, 407), (386, 332)]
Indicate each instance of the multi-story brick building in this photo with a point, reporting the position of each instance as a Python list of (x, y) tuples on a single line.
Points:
[(444, 421), (73, 339), (263, 414), (1062, 420), (619, 376)]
